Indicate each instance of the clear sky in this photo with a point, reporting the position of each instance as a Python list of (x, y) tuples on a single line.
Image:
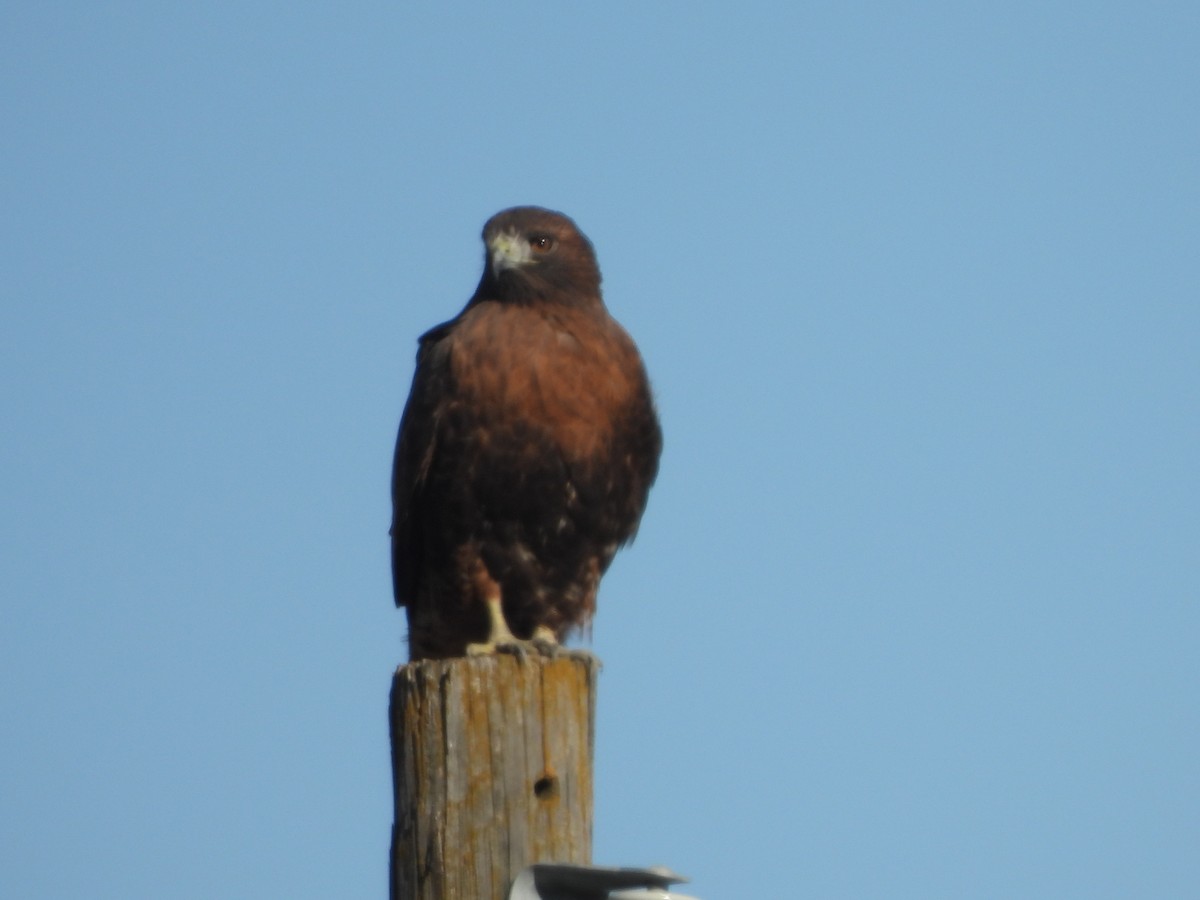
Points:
[(915, 607)]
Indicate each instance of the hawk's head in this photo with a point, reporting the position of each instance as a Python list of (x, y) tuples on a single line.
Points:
[(535, 254)]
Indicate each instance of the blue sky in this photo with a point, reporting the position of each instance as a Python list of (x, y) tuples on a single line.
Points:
[(914, 609)]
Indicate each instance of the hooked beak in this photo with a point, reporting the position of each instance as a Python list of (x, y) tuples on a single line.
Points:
[(509, 251)]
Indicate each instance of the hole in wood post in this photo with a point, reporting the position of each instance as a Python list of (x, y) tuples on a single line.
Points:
[(546, 787)]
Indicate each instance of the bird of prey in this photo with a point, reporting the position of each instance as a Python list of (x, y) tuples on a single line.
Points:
[(526, 450)]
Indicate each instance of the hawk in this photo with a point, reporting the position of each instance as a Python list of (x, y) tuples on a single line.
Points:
[(526, 450)]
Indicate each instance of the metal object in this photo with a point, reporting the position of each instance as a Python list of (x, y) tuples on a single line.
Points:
[(553, 881)]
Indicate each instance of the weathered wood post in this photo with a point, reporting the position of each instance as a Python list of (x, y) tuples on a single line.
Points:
[(492, 768)]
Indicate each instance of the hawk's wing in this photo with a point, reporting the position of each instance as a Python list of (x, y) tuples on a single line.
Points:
[(415, 447)]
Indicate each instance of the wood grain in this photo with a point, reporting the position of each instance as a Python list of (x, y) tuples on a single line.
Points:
[(492, 769)]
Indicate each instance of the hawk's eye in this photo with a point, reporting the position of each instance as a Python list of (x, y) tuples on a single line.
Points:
[(541, 243)]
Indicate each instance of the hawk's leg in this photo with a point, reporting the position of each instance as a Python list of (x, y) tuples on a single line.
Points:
[(500, 638), (545, 642), (499, 634)]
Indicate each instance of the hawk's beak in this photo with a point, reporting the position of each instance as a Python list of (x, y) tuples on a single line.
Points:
[(509, 251)]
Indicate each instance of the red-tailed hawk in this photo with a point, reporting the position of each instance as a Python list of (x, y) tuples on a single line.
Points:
[(526, 450)]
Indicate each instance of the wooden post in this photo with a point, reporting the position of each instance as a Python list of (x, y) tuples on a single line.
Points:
[(492, 768)]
